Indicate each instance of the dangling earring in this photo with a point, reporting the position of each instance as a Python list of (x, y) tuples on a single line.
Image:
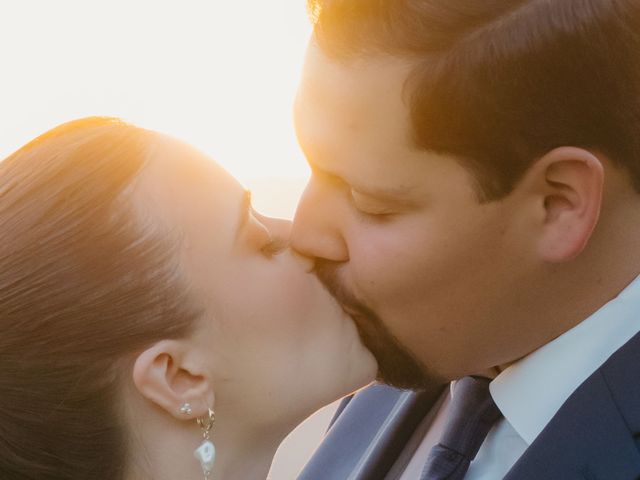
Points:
[(206, 452)]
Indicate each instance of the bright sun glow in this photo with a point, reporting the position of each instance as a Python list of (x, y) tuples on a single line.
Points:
[(219, 74)]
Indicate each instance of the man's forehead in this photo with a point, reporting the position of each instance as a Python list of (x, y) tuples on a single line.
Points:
[(360, 108), (353, 82), (352, 123)]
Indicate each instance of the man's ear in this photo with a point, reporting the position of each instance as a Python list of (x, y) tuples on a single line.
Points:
[(166, 375), (569, 183)]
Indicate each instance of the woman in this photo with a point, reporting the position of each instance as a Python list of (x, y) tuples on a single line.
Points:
[(140, 293)]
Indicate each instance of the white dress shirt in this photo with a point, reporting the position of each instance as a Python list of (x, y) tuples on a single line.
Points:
[(531, 391)]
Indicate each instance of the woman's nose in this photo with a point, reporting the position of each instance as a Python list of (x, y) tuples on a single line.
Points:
[(306, 263), (280, 228)]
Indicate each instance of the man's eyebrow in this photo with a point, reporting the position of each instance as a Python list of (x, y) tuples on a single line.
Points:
[(399, 195), (245, 209), (394, 194)]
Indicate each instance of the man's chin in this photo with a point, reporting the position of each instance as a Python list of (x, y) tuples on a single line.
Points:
[(397, 367)]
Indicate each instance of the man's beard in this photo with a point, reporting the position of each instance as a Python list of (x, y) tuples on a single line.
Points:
[(396, 365)]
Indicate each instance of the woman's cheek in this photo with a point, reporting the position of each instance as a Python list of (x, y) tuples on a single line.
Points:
[(298, 292)]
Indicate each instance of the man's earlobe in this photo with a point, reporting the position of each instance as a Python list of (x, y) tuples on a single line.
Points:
[(162, 375), (573, 180)]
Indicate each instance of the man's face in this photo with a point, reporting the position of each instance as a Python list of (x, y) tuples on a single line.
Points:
[(398, 234)]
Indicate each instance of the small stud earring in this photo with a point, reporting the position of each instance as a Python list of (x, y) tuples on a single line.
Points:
[(185, 409)]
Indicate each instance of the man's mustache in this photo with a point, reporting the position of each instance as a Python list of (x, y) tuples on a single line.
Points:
[(328, 274)]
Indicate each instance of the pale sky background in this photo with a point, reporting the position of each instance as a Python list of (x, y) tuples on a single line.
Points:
[(219, 74)]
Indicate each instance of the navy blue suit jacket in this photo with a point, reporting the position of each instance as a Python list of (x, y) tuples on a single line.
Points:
[(594, 436)]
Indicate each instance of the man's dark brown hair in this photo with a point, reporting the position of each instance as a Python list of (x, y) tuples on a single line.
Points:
[(499, 83)]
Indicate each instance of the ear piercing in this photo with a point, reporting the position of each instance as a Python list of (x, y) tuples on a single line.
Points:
[(206, 452)]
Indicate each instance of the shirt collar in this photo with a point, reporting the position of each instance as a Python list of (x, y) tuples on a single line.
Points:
[(531, 391)]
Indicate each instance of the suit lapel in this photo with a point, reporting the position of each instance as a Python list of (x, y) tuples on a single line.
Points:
[(593, 436), (369, 434)]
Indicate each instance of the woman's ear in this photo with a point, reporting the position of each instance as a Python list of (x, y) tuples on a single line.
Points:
[(570, 183), (165, 375)]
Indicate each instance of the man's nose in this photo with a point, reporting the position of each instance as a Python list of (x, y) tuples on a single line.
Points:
[(317, 226)]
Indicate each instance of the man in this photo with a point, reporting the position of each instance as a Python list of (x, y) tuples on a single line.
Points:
[(474, 205)]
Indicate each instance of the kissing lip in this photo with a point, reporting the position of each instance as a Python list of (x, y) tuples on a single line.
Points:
[(355, 316), (352, 312)]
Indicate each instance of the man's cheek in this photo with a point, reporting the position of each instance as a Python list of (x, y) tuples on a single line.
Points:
[(379, 284)]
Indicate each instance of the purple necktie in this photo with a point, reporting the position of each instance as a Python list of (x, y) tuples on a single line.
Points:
[(471, 415)]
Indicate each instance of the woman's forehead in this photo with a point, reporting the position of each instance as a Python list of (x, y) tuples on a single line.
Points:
[(189, 192)]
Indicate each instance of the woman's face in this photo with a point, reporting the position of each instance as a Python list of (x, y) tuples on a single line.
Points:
[(276, 343)]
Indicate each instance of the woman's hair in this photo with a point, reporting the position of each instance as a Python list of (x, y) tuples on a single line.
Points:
[(85, 284)]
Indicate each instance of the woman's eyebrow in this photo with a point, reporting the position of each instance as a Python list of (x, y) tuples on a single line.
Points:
[(245, 209)]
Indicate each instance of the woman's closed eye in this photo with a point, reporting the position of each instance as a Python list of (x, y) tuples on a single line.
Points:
[(277, 238), (274, 246), (262, 239)]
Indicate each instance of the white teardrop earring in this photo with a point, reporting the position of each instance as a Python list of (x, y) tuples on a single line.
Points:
[(206, 452)]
